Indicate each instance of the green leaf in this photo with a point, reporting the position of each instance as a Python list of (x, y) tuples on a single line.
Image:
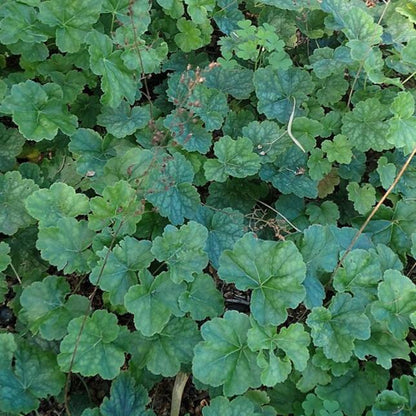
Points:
[(11, 144), (234, 158), (223, 358), (338, 149), (276, 351), (93, 151), (13, 192), (225, 227), (202, 299), (389, 403), (367, 120), (117, 82), (276, 90), (59, 201), (45, 307), (165, 352), (39, 110), (326, 213), (182, 250), (153, 302), (274, 271), (318, 166), (396, 301), (5, 259), (66, 245), (364, 197), (189, 37), (292, 5), (97, 350), (336, 328), (172, 191), (118, 208), (72, 20), (117, 269), (124, 120), (126, 398), (240, 406), (355, 390)]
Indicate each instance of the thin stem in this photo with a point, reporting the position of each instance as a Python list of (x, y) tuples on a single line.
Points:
[(409, 78), (279, 214), (289, 127), (15, 273), (177, 393)]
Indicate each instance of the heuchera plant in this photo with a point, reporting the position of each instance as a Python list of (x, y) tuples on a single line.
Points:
[(188, 188)]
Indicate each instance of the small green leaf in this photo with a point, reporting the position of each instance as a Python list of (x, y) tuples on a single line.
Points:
[(336, 328), (318, 166), (72, 20), (223, 358), (274, 271), (387, 172), (189, 37), (97, 351), (117, 269), (59, 201), (124, 120), (45, 308), (66, 245), (389, 403), (326, 213), (338, 149), (364, 197), (240, 406), (153, 302), (13, 192), (11, 144), (234, 158), (202, 299), (39, 110), (396, 301)]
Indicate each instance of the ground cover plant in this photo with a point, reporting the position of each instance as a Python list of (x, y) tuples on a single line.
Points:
[(207, 207)]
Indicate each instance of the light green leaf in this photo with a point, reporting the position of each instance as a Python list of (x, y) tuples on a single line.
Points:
[(367, 120), (92, 151), (59, 201), (198, 9), (182, 250), (118, 208), (189, 37), (165, 352), (336, 328), (117, 82), (240, 406), (66, 245), (33, 376), (223, 358), (126, 398), (292, 5), (13, 192), (318, 166), (403, 106), (409, 52), (364, 197), (39, 110), (234, 158), (72, 20), (274, 271), (117, 270), (326, 213), (11, 144), (276, 90), (97, 349), (202, 299), (389, 403), (172, 191), (396, 301), (5, 259), (124, 120), (45, 307), (338, 149), (153, 302)]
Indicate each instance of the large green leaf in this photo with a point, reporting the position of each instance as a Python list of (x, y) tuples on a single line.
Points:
[(66, 245), (13, 192), (234, 158), (96, 349), (45, 307), (33, 375), (153, 302), (335, 329), (59, 201), (223, 358), (274, 271), (117, 82), (72, 20), (117, 269), (277, 89), (165, 352), (396, 301), (38, 110), (182, 250)]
